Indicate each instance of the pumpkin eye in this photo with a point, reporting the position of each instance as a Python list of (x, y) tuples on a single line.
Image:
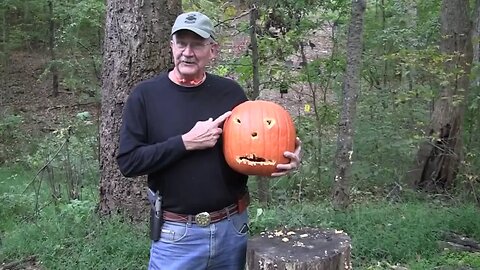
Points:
[(270, 123), (238, 120)]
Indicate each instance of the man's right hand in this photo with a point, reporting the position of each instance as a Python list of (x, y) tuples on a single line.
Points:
[(204, 134)]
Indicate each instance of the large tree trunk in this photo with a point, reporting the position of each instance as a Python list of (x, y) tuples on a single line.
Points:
[(136, 47), (351, 85), (439, 156)]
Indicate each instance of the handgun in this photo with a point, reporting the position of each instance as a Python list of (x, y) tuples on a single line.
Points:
[(156, 217)]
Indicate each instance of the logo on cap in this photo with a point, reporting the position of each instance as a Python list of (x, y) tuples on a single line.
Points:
[(191, 18)]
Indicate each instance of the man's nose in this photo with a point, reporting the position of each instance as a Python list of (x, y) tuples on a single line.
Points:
[(188, 50)]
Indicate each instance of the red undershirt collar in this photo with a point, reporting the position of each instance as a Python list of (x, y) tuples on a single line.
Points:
[(187, 83)]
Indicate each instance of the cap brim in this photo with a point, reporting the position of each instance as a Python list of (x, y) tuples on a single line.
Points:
[(197, 31)]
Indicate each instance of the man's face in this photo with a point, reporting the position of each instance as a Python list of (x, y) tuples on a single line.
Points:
[(191, 53)]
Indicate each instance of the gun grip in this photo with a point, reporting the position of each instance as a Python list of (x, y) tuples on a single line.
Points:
[(155, 226)]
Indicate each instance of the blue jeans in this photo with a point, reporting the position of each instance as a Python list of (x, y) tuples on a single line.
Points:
[(184, 246)]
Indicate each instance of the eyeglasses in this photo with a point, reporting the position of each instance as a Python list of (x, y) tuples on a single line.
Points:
[(195, 46)]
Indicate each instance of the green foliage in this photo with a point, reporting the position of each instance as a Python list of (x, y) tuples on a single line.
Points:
[(69, 235), (11, 137), (15, 206), (383, 152), (448, 260), (78, 35), (67, 161), (66, 236), (79, 75), (381, 233), (70, 241), (401, 38)]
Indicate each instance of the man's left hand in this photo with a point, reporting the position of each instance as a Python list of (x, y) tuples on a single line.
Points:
[(294, 157)]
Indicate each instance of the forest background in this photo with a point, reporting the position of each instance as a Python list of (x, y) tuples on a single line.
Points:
[(410, 176)]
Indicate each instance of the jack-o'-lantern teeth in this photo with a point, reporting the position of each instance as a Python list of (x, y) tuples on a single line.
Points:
[(253, 160)]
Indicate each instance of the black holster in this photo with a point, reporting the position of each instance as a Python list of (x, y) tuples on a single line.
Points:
[(156, 217)]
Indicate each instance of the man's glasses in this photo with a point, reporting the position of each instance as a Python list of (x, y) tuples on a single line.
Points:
[(195, 46)]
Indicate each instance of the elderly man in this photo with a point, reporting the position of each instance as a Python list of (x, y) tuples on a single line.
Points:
[(171, 131)]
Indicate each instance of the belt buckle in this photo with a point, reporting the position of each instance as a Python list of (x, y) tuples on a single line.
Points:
[(202, 219)]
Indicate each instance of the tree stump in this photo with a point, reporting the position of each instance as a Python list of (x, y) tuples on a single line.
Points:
[(299, 249)]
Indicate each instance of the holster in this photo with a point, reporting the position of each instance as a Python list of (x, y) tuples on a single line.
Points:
[(156, 217)]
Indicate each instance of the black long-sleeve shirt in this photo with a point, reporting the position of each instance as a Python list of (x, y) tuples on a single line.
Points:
[(155, 116)]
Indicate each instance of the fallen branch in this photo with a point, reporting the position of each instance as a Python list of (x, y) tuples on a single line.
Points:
[(455, 241), (70, 105), (14, 264)]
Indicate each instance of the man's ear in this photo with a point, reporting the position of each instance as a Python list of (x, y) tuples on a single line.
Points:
[(214, 50)]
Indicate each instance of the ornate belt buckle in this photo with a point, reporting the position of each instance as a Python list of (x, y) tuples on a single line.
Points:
[(202, 219)]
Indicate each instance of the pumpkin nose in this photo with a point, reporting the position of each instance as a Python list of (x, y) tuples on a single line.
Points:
[(254, 135)]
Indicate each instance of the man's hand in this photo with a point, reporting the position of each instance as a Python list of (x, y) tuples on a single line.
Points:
[(204, 134), (294, 157)]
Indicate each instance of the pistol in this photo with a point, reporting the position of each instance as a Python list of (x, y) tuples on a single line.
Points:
[(156, 217)]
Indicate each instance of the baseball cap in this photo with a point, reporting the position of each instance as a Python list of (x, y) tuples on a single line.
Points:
[(196, 22)]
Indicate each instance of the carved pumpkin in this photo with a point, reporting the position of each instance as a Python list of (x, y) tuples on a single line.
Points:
[(256, 135)]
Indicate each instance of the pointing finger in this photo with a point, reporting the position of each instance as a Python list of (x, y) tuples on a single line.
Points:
[(221, 119)]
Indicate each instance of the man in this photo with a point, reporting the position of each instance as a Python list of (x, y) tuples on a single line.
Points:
[(171, 131)]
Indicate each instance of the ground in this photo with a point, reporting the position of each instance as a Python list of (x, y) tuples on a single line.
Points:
[(26, 91)]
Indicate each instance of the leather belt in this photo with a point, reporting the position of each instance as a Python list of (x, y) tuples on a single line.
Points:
[(206, 218)]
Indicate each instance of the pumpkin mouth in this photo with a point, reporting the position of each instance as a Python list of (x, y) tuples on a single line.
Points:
[(252, 160)]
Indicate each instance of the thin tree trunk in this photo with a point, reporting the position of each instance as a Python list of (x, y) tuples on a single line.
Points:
[(4, 38), (385, 49), (4, 65), (255, 56), (475, 38), (51, 45), (351, 86), (262, 183), (439, 156), (474, 125), (317, 111), (412, 13), (136, 47)]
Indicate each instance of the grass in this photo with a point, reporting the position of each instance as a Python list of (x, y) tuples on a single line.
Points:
[(71, 236), (67, 235), (404, 233)]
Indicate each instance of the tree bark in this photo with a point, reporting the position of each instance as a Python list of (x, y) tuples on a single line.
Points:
[(439, 156), (136, 47), (351, 85)]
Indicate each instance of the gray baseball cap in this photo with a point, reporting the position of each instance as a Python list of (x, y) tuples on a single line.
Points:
[(196, 22)]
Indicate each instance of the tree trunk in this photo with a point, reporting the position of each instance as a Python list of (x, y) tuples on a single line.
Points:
[(4, 40), (351, 85), (263, 185), (440, 154), (301, 249), (51, 45), (136, 47), (475, 38), (254, 44)]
